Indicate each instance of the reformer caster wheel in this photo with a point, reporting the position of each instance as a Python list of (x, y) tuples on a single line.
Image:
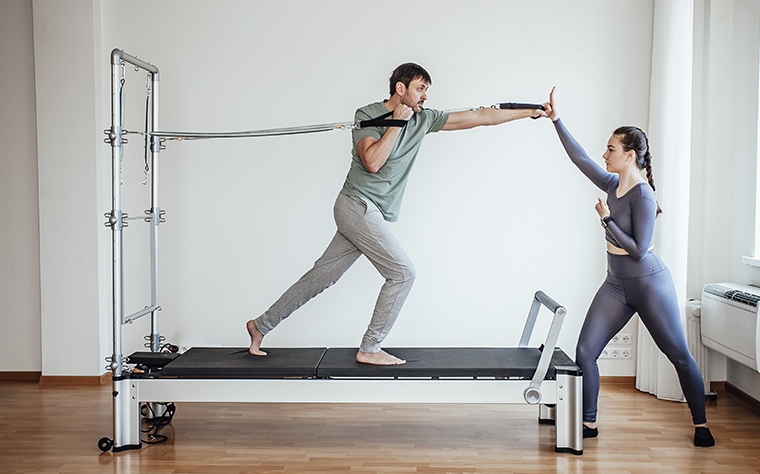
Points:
[(105, 444)]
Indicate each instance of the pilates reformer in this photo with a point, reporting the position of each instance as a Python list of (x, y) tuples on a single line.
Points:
[(145, 381)]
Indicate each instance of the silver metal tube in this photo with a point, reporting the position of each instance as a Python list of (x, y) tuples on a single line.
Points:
[(548, 352), (155, 144), (530, 323), (547, 301), (256, 133), (117, 56), (116, 219), (140, 314)]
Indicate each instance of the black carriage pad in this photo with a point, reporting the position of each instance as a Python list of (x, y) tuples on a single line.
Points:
[(443, 362), (152, 360), (236, 362)]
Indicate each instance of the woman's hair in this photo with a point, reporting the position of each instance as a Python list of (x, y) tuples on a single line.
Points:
[(633, 138), (406, 73)]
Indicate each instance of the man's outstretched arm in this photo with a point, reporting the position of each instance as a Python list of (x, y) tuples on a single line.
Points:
[(480, 117)]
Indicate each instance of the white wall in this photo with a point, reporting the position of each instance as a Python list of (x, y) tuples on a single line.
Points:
[(19, 228), (71, 153), (490, 215)]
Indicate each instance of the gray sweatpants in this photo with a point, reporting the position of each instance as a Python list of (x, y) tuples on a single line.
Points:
[(361, 230)]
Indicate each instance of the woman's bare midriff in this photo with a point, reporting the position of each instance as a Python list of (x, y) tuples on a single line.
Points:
[(615, 250)]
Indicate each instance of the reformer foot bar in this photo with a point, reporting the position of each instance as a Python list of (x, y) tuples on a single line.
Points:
[(540, 376)]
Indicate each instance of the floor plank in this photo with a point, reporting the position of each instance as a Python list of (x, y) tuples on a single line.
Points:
[(55, 429)]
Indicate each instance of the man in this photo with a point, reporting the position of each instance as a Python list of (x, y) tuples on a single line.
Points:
[(383, 157)]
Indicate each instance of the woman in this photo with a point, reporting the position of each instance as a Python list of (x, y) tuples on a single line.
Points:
[(637, 280)]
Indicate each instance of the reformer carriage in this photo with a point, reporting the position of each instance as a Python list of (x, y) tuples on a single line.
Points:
[(543, 376)]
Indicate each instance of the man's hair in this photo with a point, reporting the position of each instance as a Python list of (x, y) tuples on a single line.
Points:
[(406, 73)]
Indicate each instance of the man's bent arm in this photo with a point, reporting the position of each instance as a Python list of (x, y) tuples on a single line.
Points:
[(373, 152), (479, 117)]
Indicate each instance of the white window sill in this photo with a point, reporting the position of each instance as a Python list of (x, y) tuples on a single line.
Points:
[(751, 261)]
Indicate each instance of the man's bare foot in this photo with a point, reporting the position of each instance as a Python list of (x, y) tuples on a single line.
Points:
[(256, 338), (378, 358)]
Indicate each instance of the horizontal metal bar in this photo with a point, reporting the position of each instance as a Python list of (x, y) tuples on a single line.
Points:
[(139, 314), (256, 133), (339, 391), (548, 301), (117, 56)]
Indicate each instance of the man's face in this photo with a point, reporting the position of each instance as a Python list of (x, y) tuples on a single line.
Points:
[(415, 95)]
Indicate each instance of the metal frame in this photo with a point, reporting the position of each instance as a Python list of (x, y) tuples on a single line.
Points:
[(123, 400), (560, 399)]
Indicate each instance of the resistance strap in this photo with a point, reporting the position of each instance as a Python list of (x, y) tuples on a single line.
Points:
[(380, 121), (516, 105)]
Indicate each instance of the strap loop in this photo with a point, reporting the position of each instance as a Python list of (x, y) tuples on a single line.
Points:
[(517, 105), (380, 121)]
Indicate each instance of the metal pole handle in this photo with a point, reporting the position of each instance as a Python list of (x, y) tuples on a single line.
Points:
[(547, 301)]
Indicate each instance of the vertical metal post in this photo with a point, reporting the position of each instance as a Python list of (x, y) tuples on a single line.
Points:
[(569, 412), (155, 209), (115, 219)]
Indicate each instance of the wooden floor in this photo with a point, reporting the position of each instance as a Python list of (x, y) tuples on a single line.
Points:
[(51, 429)]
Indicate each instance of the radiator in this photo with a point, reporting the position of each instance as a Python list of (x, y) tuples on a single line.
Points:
[(694, 339), (729, 317)]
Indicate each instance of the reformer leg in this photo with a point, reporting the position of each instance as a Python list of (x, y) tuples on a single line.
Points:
[(569, 414), (126, 415), (547, 414)]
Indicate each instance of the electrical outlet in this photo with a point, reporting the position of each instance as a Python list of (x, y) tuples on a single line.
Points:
[(621, 338), (615, 353)]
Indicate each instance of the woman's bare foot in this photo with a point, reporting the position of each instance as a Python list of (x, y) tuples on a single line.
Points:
[(256, 338), (378, 358)]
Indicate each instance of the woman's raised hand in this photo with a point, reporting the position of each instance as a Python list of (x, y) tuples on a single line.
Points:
[(551, 110), (601, 208)]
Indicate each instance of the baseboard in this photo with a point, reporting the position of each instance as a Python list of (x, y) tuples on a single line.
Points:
[(33, 377), (746, 398), (613, 380), (717, 386), (75, 379)]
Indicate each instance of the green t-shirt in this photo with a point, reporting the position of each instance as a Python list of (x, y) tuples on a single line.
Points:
[(386, 187)]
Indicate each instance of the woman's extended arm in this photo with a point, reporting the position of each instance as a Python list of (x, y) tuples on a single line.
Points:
[(601, 178), (575, 151)]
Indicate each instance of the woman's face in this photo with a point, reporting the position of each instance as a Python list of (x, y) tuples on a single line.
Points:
[(616, 158)]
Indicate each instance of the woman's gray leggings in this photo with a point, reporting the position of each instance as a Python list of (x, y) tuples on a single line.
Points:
[(643, 287), (361, 230)]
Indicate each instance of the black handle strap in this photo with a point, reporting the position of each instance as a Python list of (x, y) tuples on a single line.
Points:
[(517, 105), (381, 121)]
